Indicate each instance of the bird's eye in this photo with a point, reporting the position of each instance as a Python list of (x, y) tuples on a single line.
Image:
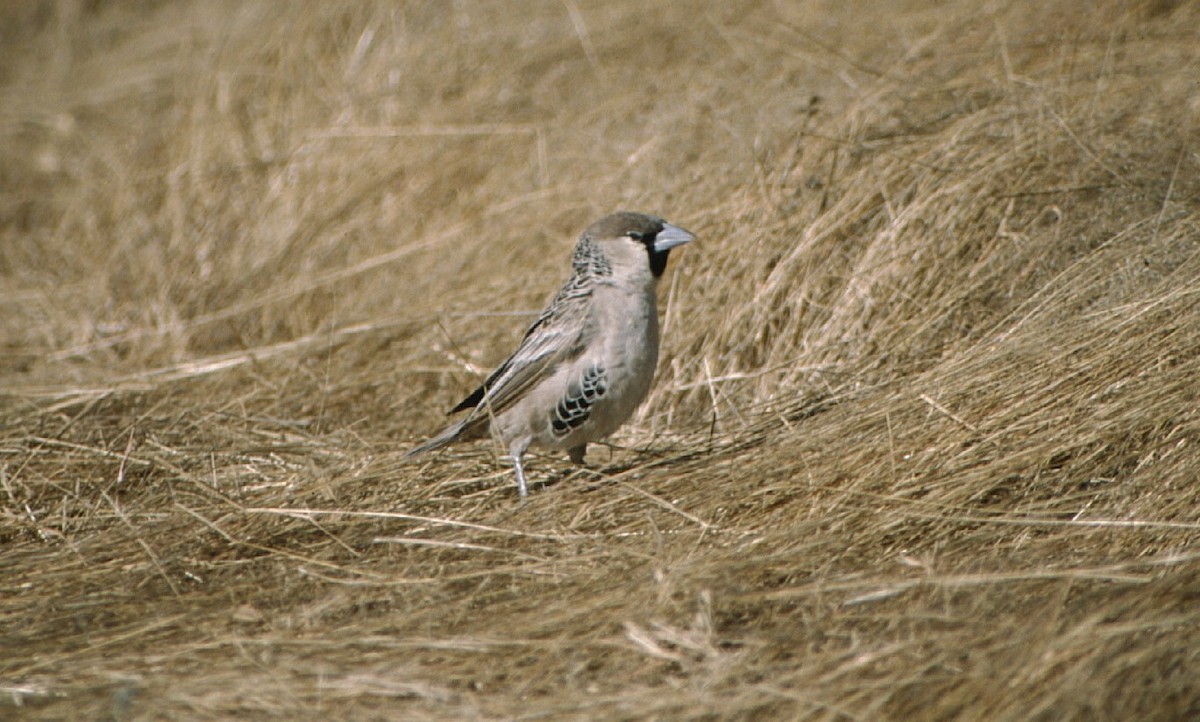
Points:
[(636, 235)]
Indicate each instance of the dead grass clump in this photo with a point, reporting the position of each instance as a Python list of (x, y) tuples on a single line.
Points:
[(924, 442)]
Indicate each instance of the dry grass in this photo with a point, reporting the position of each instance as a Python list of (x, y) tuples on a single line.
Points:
[(925, 440)]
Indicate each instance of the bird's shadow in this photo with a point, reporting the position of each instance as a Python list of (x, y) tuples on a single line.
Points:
[(589, 477), (592, 476)]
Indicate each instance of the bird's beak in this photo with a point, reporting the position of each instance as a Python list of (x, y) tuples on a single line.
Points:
[(671, 236)]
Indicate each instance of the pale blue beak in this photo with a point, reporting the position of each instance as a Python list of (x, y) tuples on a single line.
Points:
[(671, 236)]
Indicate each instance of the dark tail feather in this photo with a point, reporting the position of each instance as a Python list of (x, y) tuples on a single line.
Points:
[(470, 402), (447, 436)]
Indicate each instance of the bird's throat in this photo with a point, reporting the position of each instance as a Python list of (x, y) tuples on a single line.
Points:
[(658, 262)]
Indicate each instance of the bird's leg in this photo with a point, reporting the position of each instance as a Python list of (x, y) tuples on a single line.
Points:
[(576, 453), (516, 451), (522, 487)]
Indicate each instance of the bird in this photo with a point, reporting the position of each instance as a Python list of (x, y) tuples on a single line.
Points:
[(587, 362)]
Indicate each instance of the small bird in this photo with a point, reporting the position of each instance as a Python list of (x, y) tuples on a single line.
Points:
[(586, 363)]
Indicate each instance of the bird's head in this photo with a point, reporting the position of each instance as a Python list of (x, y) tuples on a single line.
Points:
[(637, 241)]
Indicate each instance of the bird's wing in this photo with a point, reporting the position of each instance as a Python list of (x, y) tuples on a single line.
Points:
[(559, 334)]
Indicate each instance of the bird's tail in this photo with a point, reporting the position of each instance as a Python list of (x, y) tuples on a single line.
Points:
[(445, 437)]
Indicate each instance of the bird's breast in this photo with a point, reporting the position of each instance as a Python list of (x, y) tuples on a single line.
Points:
[(628, 347), (628, 325), (589, 398)]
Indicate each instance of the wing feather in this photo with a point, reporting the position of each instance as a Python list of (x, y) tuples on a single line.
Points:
[(559, 335)]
